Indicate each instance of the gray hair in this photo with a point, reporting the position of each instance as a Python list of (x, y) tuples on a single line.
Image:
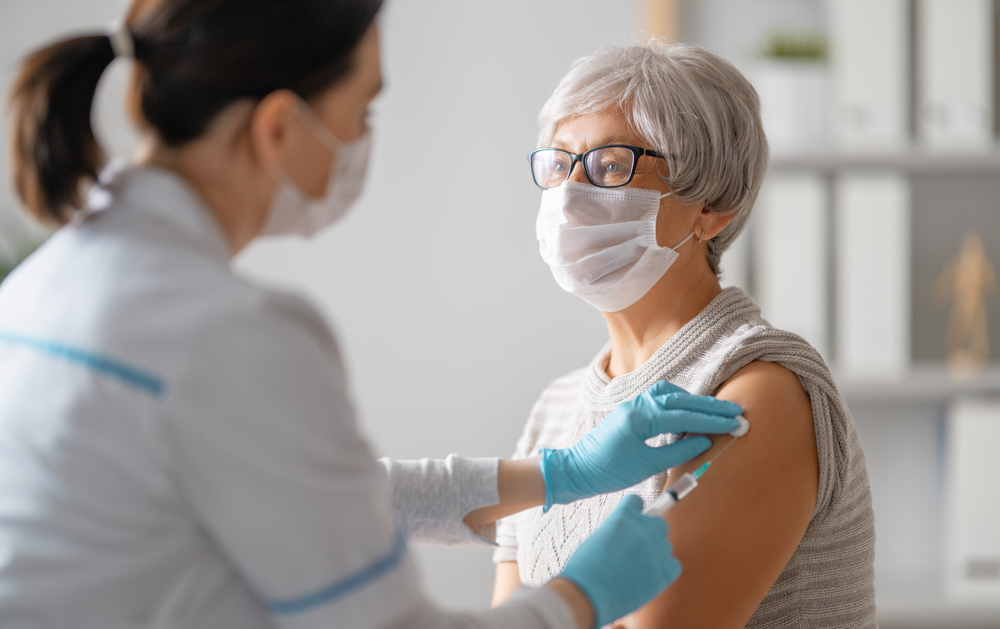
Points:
[(687, 103)]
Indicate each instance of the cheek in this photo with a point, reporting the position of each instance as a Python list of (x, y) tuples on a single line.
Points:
[(346, 116), (673, 223)]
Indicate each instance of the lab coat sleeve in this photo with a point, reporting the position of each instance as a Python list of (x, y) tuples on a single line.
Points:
[(268, 458), (433, 496), (528, 607)]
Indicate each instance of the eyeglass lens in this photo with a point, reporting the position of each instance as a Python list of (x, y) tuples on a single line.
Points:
[(607, 166)]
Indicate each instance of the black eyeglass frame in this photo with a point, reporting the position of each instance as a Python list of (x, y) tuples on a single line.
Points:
[(637, 152)]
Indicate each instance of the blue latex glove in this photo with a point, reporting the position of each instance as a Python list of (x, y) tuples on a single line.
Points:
[(613, 455), (625, 563)]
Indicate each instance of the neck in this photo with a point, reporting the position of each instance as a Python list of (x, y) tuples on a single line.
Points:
[(641, 329), (224, 177)]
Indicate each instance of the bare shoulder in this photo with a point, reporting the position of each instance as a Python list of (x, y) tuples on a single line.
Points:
[(737, 531), (782, 437), (767, 385)]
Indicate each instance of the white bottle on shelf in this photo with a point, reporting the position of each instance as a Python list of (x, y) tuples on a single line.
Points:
[(955, 70), (873, 275), (869, 46), (790, 250), (972, 510)]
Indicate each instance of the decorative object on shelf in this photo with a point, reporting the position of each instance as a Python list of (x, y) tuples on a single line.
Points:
[(873, 274), (966, 282), (972, 506), (791, 79), (869, 54), (955, 69)]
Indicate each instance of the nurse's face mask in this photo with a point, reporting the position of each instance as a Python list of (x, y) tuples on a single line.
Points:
[(292, 211)]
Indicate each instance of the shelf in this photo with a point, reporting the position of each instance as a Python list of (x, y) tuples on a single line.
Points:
[(924, 384), (914, 160)]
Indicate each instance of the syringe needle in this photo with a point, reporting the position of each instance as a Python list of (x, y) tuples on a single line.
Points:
[(724, 448)]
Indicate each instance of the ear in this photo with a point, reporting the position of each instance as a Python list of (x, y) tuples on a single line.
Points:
[(712, 223), (270, 128)]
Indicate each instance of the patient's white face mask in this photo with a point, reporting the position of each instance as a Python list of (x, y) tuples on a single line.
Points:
[(292, 211), (601, 242)]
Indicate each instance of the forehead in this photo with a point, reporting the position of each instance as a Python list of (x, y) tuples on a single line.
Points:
[(580, 133)]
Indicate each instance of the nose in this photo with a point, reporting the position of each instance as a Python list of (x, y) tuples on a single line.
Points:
[(578, 174)]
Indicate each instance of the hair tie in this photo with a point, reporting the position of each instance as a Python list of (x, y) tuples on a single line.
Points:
[(121, 39)]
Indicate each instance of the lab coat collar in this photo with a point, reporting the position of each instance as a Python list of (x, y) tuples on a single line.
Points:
[(161, 193)]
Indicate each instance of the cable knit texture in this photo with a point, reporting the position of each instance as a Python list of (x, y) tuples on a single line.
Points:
[(829, 581)]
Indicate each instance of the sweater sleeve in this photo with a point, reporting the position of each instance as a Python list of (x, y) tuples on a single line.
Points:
[(432, 497)]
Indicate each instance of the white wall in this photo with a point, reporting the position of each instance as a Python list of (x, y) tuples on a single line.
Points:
[(450, 323)]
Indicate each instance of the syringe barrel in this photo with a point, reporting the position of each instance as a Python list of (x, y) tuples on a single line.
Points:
[(669, 498), (661, 505), (684, 485)]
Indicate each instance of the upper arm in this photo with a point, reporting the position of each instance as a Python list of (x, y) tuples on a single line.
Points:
[(736, 532)]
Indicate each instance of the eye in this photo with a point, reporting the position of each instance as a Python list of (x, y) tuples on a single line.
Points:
[(613, 167)]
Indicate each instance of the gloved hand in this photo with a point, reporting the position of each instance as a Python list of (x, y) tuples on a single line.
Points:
[(614, 455), (625, 563)]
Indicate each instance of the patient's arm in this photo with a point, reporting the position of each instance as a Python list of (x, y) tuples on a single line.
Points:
[(507, 580), (735, 533)]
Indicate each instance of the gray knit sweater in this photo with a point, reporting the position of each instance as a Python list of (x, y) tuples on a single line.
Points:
[(829, 581)]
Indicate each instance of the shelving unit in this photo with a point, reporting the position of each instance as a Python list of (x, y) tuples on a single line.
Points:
[(901, 419)]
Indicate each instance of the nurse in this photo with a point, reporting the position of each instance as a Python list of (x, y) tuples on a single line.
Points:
[(177, 448)]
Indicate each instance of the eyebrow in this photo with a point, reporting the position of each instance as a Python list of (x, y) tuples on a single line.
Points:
[(602, 141)]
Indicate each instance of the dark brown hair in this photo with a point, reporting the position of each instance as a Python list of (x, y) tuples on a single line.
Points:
[(193, 59)]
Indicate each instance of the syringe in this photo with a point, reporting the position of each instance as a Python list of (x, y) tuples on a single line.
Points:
[(686, 483)]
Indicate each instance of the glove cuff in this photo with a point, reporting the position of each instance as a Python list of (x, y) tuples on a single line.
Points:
[(549, 462)]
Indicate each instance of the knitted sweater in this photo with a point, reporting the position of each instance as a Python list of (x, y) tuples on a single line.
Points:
[(829, 581)]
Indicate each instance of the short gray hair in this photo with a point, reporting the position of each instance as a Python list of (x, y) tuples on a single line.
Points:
[(687, 103)]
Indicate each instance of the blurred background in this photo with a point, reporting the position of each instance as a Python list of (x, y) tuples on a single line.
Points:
[(875, 238)]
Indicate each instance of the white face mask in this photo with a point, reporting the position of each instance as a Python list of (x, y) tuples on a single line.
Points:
[(292, 211), (601, 242)]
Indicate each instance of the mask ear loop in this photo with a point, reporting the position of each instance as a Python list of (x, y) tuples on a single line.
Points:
[(690, 236), (702, 237)]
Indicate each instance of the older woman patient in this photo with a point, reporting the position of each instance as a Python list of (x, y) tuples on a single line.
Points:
[(652, 158)]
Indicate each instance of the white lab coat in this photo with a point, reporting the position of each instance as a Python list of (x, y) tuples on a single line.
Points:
[(177, 446)]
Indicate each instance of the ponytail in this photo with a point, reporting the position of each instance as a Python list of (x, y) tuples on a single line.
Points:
[(193, 59), (53, 148)]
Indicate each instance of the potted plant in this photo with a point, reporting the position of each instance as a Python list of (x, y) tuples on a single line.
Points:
[(792, 80)]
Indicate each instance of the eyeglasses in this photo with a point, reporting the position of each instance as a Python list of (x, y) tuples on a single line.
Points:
[(609, 166)]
